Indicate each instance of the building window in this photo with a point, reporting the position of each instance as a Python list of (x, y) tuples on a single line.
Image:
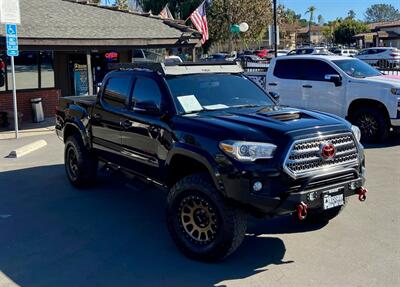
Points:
[(46, 69), (26, 71), (33, 70)]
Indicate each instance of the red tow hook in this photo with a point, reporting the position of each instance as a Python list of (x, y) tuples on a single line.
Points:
[(362, 193), (302, 210)]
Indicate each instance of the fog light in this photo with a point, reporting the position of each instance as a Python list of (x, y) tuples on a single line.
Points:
[(257, 186), (353, 185), (312, 196)]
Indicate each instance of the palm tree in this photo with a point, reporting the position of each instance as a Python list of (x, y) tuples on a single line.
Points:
[(310, 10), (320, 19)]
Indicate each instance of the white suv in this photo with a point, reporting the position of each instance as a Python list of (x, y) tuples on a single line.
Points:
[(384, 57), (343, 86)]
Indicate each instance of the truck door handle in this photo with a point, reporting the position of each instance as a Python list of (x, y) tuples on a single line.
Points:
[(97, 116), (272, 84), (307, 86), (126, 124)]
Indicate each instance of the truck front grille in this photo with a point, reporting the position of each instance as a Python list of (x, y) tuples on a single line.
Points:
[(304, 158)]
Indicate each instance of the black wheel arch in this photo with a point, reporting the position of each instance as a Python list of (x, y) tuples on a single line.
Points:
[(72, 128), (358, 103), (182, 162)]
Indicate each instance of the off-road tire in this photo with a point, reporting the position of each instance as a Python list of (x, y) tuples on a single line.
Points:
[(373, 124), (80, 164), (230, 221)]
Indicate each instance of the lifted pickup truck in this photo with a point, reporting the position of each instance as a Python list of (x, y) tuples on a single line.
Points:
[(219, 144)]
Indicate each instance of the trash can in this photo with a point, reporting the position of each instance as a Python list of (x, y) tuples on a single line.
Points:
[(37, 110)]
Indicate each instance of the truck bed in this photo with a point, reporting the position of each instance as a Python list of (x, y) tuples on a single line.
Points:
[(84, 101)]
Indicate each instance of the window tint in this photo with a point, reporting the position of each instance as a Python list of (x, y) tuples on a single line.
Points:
[(116, 92), (314, 70), (288, 69), (147, 90), (303, 69)]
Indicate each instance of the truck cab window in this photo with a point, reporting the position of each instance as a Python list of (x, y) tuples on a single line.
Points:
[(116, 92), (146, 90), (315, 70)]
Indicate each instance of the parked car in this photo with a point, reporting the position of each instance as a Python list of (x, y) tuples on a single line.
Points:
[(345, 52), (383, 57), (343, 86), (249, 58), (283, 52), (309, 51), (217, 57), (219, 144), (173, 60), (263, 53)]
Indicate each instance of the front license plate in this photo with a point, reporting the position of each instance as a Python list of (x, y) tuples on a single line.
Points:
[(331, 201)]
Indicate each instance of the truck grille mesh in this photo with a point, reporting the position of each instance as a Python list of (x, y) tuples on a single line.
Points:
[(305, 155)]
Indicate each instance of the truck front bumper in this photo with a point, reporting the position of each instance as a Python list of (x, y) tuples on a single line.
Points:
[(396, 122), (281, 195)]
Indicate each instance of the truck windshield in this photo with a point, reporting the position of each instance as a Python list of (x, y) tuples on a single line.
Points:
[(194, 93), (357, 68)]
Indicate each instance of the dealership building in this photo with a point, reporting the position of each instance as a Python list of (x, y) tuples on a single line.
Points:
[(66, 46)]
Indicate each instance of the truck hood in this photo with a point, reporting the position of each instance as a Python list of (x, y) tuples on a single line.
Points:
[(393, 81), (269, 122)]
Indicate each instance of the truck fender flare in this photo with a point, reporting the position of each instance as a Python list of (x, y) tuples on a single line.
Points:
[(198, 155), (78, 126)]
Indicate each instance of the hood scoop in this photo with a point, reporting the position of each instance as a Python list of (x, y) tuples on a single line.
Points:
[(284, 116)]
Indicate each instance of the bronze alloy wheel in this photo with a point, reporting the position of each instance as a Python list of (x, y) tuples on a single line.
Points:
[(198, 219)]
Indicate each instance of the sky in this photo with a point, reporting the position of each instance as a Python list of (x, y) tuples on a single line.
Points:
[(331, 9)]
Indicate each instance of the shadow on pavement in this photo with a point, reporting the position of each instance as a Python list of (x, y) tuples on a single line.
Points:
[(111, 235), (393, 140)]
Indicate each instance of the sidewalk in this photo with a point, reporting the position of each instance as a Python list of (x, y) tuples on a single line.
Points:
[(30, 129)]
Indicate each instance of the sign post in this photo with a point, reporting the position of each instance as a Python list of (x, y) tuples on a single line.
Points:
[(10, 15)]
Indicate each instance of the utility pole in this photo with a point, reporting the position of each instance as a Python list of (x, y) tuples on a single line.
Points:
[(275, 31)]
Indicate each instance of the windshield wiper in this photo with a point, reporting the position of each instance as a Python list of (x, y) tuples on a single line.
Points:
[(245, 106)]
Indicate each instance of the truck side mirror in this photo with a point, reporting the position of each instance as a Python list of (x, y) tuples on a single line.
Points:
[(98, 87), (334, 78), (275, 96), (147, 107)]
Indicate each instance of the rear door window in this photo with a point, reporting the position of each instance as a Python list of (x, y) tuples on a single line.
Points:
[(117, 92), (288, 69)]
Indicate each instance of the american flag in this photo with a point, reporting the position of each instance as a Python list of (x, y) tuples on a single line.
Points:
[(199, 20), (166, 13)]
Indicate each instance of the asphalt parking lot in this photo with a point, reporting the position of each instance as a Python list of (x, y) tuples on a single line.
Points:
[(114, 234)]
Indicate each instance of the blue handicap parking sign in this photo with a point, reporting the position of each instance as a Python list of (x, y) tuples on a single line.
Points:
[(12, 40)]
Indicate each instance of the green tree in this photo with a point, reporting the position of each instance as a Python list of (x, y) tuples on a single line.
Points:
[(344, 33), (311, 10), (223, 13), (351, 14), (381, 13), (320, 20)]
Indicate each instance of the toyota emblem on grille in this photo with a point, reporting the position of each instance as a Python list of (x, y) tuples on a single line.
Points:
[(328, 151)]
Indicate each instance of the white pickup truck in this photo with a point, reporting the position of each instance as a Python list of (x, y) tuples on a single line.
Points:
[(343, 86)]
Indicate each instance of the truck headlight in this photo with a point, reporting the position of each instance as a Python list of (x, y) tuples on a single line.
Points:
[(248, 151), (356, 132), (395, 91)]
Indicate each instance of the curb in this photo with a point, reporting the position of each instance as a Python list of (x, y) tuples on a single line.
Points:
[(26, 149)]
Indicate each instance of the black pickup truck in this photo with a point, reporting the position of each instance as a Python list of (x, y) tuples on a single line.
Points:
[(219, 144)]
